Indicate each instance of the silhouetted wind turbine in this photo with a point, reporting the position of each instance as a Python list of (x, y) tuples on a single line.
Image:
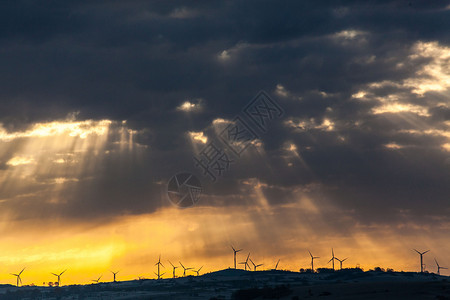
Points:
[(439, 267), (312, 260), (255, 266), (174, 268), (184, 268), (198, 271), (159, 264), (341, 261), (59, 276), (97, 280), (19, 280), (114, 274), (421, 259), (276, 266), (245, 263), (235, 251), (332, 258)]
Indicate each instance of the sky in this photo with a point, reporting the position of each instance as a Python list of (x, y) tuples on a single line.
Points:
[(103, 102)]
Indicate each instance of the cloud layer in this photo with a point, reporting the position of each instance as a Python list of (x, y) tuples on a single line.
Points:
[(102, 102)]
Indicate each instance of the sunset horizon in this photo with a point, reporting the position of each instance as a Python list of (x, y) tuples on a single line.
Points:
[(136, 135)]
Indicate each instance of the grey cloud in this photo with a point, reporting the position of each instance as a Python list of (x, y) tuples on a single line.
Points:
[(139, 60)]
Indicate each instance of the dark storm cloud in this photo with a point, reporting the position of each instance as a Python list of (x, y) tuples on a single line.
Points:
[(139, 60)]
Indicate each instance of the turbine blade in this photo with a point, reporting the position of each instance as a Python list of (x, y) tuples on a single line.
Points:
[(54, 274), (21, 271), (171, 263), (310, 253), (200, 268), (330, 260), (63, 272), (239, 250), (233, 248), (417, 251), (425, 252)]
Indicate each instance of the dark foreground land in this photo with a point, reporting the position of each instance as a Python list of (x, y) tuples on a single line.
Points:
[(239, 284)]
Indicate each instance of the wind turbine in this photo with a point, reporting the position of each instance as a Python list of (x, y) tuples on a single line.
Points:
[(97, 280), (312, 260), (255, 266), (184, 268), (198, 271), (332, 258), (174, 268), (245, 263), (235, 251), (276, 266), (341, 261), (421, 259), (158, 264), (19, 280), (59, 276), (114, 274), (439, 267)]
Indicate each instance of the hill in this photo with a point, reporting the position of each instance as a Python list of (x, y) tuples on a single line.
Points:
[(240, 284)]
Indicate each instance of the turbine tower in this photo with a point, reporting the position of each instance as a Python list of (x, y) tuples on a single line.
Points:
[(332, 258), (421, 259), (97, 280), (159, 264), (312, 260), (235, 251), (439, 267), (198, 271), (59, 276), (114, 274), (245, 263), (341, 261), (254, 265), (174, 268), (184, 269), (19, 280)]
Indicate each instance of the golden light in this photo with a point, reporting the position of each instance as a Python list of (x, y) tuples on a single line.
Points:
[(188, 106), (396, 107), (394, 146), (198, 136), (435, 75)]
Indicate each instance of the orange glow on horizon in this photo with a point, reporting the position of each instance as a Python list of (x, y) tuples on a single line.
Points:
[(132, 244)]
